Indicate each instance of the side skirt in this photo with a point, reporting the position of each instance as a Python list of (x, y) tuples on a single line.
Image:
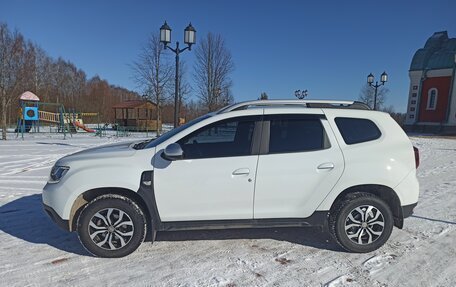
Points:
[(318, 218)]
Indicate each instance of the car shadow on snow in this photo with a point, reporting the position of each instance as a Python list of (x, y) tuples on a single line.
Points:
[(25, 218), (61, 144), (306, 236), (434, 220)]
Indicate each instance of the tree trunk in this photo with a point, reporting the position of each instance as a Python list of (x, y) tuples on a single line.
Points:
[(157, 120), (3, 109)]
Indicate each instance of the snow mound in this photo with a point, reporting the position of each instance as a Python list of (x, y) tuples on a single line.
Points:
[(376, 263), (344, 280)]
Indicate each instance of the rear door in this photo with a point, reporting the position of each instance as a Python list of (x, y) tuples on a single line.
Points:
[(299, 164)]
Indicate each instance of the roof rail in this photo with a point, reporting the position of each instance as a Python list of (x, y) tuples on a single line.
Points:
[(302, 103)]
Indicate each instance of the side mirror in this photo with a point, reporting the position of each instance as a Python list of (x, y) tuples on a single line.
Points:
[(173, 152)]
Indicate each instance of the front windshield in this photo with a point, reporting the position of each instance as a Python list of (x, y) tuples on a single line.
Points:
[(173, 132)]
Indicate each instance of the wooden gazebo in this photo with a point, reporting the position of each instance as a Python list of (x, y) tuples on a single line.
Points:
[(137, 115)]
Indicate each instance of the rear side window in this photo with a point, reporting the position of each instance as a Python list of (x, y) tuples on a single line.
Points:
[(296, 135), (357, 130)]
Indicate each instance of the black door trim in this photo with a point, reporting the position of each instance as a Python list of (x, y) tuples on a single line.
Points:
[(318, 218)]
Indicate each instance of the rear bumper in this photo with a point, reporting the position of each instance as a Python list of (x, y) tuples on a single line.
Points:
[(62, 223), (408, 190), (407, 210)]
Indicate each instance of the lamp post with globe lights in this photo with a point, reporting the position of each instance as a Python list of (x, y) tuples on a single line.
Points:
[(189, 39), (301, 94), (370, 81)]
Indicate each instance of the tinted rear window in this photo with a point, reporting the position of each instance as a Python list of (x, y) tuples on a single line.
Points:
[(357, 130), (296, 135)]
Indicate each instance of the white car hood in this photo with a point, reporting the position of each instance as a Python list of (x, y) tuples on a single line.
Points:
[(117, 150)]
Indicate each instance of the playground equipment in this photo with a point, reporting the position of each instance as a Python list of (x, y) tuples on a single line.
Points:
[(32, 115), (80, 125)]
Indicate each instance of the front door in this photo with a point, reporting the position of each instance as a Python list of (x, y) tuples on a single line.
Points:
[(215, 179)]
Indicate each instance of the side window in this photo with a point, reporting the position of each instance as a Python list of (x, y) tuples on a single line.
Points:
[(296, 134), (226, 138), (357, 130)]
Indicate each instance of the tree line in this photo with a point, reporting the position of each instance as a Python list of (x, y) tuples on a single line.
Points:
[(25, 66)]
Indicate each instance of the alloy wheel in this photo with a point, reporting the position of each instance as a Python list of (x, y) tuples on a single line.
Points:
[(364, 224), (111, 228)]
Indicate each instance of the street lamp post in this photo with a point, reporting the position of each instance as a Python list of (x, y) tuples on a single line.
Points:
[(370, 81), (189, 39)]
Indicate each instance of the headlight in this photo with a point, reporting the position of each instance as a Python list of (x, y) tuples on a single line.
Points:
[(57, 173)]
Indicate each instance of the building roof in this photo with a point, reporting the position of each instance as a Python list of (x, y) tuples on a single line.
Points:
[(439, 52), (131, 104)]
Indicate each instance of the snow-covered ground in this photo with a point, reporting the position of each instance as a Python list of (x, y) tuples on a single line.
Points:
[(35, 252)]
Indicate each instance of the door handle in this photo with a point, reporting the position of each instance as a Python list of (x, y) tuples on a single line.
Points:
[(241, 171), (326, 166)]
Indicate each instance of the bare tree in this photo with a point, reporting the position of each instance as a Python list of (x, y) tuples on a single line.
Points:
[(367, 93), (12, 62), (184, 86), (152, 72), (43, 75), (388, 109), (212, 72)]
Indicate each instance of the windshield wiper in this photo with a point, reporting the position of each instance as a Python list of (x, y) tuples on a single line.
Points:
[(142, 145)]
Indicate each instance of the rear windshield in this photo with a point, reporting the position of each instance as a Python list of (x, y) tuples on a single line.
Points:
[(357, 130)]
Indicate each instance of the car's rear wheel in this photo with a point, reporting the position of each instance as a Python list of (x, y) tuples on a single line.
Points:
[(111, 226), (361, 222)]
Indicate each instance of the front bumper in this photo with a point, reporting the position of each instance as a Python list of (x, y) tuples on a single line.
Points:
[(58, 197), (62, 223)]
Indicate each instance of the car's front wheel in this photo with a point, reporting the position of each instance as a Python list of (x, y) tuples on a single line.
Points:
[(361, 222), (111, 226)]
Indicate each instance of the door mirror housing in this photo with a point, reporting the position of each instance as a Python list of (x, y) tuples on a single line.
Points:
[(173, 152)]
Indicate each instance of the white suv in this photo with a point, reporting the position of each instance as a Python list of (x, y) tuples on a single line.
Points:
[(333, 164)]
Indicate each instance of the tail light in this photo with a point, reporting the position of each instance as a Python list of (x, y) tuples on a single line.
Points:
[(417, 156)]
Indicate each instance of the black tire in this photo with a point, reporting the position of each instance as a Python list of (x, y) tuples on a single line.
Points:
[(107, 229), (366, 237)]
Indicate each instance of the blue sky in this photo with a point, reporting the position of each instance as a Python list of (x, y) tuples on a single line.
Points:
[(327, 47)]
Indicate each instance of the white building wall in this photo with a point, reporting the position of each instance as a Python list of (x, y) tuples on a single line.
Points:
[(414, 96), (439, 73), (452, 115)]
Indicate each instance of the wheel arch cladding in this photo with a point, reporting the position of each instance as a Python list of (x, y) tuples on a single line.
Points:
[(91, 194), (385, 193)]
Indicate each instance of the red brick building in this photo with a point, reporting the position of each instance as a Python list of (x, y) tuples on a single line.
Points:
[(432, 95)]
